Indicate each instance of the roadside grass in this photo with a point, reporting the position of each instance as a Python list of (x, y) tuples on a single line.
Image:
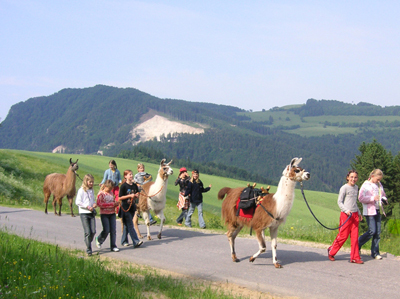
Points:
[(22, 174), (32, 269)]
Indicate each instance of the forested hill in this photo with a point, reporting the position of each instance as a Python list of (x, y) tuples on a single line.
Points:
[(102, 118)]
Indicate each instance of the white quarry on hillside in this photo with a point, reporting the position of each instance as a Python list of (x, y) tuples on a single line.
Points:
[(158, 126)]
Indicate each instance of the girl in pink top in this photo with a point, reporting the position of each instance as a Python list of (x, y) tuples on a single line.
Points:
[(372, 196), (106, 202)]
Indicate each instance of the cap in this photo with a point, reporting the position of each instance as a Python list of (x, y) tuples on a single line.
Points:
[(183, 169), (195, 171)]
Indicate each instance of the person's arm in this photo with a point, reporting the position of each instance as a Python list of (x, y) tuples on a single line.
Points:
[(104, 177), (81, 201), (341, 198), (177, 181), (366, 195), (188, 189)]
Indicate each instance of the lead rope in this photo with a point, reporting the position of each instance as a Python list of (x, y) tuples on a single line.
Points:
[(302, 192)]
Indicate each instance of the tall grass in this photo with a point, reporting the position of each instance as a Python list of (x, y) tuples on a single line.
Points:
[(47, 271)]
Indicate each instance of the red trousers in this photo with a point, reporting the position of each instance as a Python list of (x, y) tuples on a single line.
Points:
[(350, 228)]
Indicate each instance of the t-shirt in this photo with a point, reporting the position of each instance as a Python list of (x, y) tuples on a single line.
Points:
[(347, 199), (127, 189)]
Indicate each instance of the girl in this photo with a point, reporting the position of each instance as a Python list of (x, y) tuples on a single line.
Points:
[(107, 204), (127, 195), (195, 190), (114, 175), (371, 196), (183, 202), (140, 179), (347, 202), (85, 201)]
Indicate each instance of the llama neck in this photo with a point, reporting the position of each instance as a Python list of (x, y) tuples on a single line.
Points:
[(69, 183), (284, 196)]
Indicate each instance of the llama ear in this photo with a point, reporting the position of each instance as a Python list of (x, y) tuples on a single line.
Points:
[(169, 163), (76, 161), (295, 162), (70, 161), (162, 162)]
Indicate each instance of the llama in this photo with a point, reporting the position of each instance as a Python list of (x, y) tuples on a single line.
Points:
[(153, 196), (61, 185), (278, 204)]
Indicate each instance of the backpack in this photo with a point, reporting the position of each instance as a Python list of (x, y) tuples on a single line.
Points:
[(247, 198)]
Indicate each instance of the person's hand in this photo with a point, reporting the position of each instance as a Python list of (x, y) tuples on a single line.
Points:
[(376, 198), (116, 204), (361, 218), (209, 186), (94, 206), (348, 213), (90, 208)]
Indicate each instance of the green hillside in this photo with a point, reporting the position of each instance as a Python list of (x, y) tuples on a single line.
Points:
[(326, 134)]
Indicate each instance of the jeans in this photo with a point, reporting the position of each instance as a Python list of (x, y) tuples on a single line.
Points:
[(89, 227), (109, 224), (199, 206), (374, 232), (182, 216), (127, 219)]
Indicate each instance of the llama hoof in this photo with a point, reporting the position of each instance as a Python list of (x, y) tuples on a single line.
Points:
[(73, 215), (159, 236), (278, 266), (235, 259), (148, 238), (252, 259)]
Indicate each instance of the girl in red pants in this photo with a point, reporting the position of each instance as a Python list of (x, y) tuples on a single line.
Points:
[(347, 202)]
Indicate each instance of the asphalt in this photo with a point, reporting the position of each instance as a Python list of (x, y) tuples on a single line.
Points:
[(306, 272)]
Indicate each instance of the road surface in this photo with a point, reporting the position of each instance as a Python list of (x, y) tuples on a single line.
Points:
[(306, 272)]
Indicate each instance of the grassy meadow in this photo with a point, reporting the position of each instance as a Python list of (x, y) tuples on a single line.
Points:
[(314, 126), (22, 174)]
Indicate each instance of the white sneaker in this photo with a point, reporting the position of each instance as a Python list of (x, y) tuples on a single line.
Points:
[(98, 245), (115, 249), (378, 257), (125, 244)]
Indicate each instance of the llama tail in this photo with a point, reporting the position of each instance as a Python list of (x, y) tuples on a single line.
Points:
[(223, 192)]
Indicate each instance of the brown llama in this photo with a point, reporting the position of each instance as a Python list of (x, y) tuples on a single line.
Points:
[(277, 204), (154, 196), (61, 185)]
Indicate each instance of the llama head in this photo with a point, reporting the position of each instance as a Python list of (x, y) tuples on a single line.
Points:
[(294, 172), (73, 165), (165, 170)]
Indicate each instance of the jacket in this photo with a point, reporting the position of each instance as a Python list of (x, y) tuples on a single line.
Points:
[(366, 197)]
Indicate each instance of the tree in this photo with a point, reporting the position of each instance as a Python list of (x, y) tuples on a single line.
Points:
[(374, 155)]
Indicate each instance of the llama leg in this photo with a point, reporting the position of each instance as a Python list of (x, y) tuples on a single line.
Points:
[(59, 206), (145, 216), (70, 206), (55, 205), (274, 233), (261, 245), (135, 224), (46, 200), (232, 233), (162, 219)]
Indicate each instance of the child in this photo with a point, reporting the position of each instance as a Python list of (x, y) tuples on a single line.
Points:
[(195, 190), (140, 179), (114, 175), (128, 192), (347, 202), (86, 203), (107, 204), (183, 202), (372, 196)]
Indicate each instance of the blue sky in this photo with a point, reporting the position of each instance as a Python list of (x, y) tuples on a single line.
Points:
[(250, 54)]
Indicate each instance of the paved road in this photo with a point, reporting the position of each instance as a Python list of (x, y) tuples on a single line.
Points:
[(307, 272)]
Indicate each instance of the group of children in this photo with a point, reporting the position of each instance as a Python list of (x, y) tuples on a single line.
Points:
[(371, 195), (118, 197), (115, 197)]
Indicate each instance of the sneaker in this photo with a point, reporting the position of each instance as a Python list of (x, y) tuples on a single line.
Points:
[(180, 224), (153, 222), (139, 216), (98, 244), (89, 252), (125, 244), (330, 257), (115, 249), (203, 227), (378, 257), (138, 244), (357, 261)]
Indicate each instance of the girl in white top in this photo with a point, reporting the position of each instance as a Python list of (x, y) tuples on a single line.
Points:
[(85, 200)]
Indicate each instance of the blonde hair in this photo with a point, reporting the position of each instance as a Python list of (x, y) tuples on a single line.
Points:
[(107, 184), (88, 177), (376, 172), (140, 165)]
